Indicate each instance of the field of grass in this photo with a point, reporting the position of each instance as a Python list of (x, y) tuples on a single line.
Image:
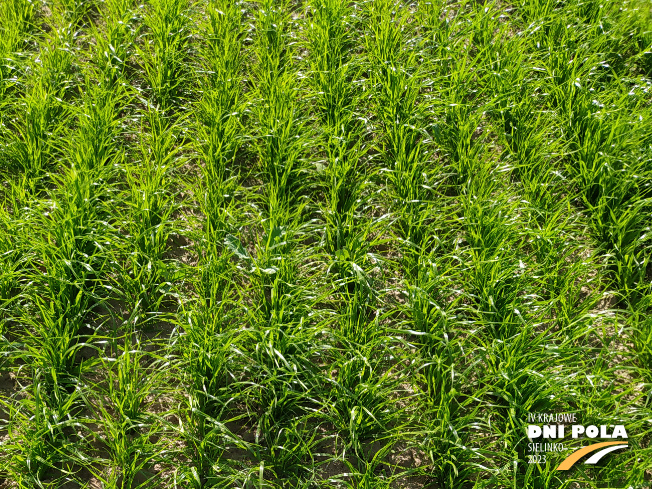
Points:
[(322, 243)]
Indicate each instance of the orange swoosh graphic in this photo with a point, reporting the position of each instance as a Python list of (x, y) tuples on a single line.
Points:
[(575, 456)]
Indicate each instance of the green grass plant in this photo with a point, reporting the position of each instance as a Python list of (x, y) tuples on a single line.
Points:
[(322, 244)]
